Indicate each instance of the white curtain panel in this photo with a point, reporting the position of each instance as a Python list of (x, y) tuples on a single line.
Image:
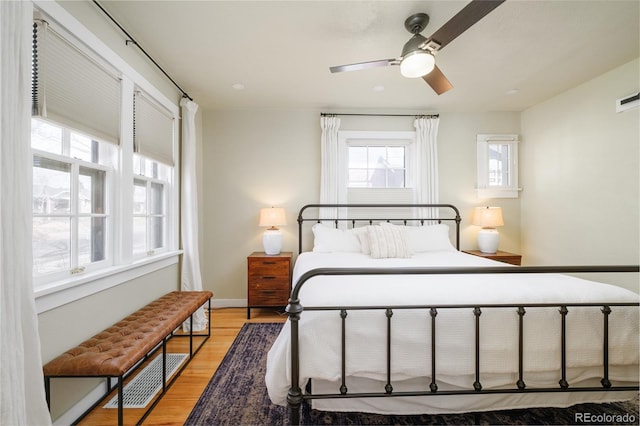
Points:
[(427, 156), (22, 398), (329, 167), (191, 279)]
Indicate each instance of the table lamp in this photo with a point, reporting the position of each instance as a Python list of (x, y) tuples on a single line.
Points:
[(489, 218), (272, 238)]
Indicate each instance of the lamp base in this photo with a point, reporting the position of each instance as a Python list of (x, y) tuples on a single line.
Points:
[(272, 241), (488, 240)]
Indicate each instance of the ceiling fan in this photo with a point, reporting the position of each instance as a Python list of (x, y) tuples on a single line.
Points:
[(418, 54)]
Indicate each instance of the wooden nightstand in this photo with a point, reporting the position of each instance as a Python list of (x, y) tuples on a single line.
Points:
[(268, 280), (501, 256)]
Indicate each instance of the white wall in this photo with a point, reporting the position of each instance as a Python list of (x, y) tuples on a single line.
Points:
[(259, 158), (457, 157), (579, 169), (253, 159)]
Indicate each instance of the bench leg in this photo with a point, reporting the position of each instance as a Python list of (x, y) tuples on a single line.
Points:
[(164, 365), (209, 331), (191, 336), (47, 391), (120, 402)]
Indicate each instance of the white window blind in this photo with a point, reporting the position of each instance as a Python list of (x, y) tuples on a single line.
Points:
[(152, 129), (73, 89)]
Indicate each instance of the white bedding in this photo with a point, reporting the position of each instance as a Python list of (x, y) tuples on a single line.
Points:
[(320, 349)]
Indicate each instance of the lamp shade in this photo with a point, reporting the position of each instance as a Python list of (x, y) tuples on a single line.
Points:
[(488, 217), (417, 63), (272, 217)]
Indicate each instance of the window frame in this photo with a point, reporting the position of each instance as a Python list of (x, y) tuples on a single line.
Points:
[(148, 215), (484, 188), (347, 138), (125, 267), (75, 215)]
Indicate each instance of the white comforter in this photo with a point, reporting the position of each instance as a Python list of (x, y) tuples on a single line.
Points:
[(320, 340)]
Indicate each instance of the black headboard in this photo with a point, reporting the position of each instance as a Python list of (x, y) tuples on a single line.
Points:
[(407, 214)]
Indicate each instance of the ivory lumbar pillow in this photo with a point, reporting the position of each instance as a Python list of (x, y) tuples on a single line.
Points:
[(388, 240)]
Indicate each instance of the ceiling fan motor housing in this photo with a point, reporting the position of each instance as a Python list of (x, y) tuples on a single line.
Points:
[(413, 44), (416, 23)]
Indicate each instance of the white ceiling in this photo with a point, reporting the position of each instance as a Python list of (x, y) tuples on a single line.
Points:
[(281, 51)]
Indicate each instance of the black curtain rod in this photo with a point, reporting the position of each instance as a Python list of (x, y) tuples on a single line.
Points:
[(328, 114), (133, 41)]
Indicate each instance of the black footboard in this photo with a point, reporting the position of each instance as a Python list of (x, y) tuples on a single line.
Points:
[(295, 309)]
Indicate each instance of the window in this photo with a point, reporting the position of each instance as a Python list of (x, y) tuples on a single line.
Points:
[(377, 166), (497, 166), (105, 203), (149, 206), (71, 221)]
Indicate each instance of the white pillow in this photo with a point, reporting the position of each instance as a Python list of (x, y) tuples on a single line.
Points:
[(429, 238), (363, 237), (388, 240), (328, 240)]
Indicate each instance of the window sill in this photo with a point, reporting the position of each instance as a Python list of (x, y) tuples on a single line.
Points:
[(53, 295), (498, 193)]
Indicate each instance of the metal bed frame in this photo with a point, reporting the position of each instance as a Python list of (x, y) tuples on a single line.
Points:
[(294, 309)]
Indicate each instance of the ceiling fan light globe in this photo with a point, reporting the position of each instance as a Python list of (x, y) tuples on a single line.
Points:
[(417, 64)]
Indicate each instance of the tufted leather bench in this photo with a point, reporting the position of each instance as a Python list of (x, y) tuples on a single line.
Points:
[(116, 350)]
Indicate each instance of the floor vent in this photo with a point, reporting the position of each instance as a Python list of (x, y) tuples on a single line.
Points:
[(147, 383)]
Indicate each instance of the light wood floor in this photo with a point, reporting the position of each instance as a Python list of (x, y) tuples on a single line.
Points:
[(175, 406)]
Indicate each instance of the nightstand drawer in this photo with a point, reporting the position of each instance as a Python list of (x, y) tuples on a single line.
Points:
[(268, 297), (271, 283), (514, 260), (268, 268)]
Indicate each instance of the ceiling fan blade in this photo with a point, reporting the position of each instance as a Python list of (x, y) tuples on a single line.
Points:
[(463, 20), (438, 81), (365, 65)]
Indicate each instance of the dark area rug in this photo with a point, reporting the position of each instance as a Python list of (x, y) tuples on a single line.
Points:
[(236, 395)]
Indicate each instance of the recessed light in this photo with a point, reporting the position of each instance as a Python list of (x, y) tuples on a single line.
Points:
[(238, 86), (379, 88)]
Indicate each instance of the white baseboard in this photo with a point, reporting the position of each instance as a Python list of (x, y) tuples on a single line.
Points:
[(228, 303)]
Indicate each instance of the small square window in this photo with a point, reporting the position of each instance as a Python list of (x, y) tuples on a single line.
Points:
[(497, 166)]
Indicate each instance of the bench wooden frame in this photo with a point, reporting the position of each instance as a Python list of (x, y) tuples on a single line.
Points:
[(117, 352)]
